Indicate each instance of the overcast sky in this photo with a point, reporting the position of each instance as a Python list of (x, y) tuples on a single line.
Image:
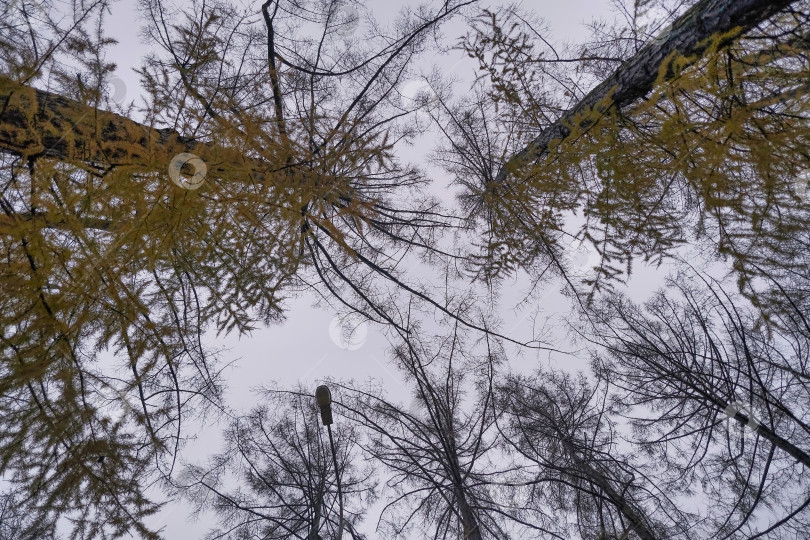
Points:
[(307, 347)]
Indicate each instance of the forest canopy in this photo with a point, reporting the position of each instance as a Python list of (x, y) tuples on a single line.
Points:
[(263, 162)]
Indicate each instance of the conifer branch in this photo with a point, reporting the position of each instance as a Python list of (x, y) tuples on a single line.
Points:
[(688, 36)]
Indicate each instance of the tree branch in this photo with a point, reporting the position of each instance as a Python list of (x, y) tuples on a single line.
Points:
[(687, 36)]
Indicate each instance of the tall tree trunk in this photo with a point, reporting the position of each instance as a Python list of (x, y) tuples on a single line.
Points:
[(687, 36), (37, 123), (471, 529), (634, 516)]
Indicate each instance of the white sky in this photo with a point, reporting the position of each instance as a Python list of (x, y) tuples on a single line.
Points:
[(302, 349)]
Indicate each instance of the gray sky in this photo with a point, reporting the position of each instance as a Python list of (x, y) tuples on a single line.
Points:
[(302, 349)]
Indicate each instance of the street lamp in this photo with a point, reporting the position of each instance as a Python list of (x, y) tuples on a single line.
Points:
[(324, 399)]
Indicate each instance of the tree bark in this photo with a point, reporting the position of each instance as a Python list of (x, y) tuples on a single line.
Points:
[(35, 123), (471, 529), (768, 434), (630, 513), (687, 36), (316, 521), (46, 221)]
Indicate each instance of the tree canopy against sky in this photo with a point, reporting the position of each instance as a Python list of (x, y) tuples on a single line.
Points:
[(716, 122), (298, 126)]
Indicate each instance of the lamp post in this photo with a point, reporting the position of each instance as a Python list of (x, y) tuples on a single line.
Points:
[(324, 399)]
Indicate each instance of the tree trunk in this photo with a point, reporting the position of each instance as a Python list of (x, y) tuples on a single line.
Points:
[(635, 517), (687, 36), (36, 123), (316, 520), (471, 529), (766, 433)]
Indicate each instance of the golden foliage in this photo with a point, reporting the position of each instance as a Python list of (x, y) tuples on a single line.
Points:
[(110, 273), (713, 154)]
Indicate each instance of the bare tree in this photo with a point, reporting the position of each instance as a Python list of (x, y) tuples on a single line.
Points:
[(16, 523), (441, 452), (570, 461), (279, 461), (691, 365)]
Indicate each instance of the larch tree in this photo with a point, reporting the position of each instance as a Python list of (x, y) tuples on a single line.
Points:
[(439, 453), (718, 395), (116, 258), (696, 133), (570, 462), (692, 132), (16, 524), (262, 163)]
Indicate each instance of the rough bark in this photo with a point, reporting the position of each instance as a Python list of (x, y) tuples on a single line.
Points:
[(35, 123), (687, 36)]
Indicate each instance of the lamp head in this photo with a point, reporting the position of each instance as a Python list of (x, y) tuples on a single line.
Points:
[(323, 397)]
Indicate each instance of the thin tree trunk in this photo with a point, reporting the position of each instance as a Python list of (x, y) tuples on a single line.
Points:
[(687, 36), (316, 519), (471, 529), (783, 444)]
